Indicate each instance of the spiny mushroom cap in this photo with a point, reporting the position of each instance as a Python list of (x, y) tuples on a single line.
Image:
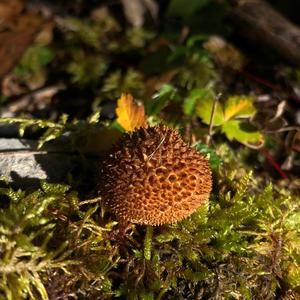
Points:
[(152, 177)]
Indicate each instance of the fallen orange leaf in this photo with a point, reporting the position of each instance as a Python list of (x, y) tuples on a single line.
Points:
[(131, 115)]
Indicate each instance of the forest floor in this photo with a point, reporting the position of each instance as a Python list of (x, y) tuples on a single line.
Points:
[(77, 77)]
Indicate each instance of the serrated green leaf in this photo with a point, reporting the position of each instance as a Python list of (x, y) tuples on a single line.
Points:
[(239, 107), (204, 110), (242, 132)]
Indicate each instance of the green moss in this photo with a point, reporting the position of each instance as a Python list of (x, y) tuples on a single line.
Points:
[(244, 244)]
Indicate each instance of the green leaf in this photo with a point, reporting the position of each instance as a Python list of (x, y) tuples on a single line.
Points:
[(160, 100), (214, 159), (204, 110), (239, 106), (190, 103), (242, 132), (115, 125)]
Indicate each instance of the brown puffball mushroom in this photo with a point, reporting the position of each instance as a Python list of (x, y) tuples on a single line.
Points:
[(152, 177)]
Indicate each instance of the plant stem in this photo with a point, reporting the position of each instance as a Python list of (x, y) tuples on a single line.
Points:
[(211, 121), (148, 242)]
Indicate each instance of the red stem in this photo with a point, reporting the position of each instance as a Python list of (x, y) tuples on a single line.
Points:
[(270, 158), (267, 83)]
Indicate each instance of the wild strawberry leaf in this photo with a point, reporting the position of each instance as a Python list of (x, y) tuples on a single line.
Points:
[(242, 132), (239, 107), (204, 110)]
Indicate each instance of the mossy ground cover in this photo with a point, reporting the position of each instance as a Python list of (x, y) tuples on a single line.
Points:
[(243, 244)]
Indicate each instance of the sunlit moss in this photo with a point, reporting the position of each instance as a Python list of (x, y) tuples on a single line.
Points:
[(239, 244)]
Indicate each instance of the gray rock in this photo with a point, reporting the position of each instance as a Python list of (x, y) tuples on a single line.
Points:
[(23, 165)]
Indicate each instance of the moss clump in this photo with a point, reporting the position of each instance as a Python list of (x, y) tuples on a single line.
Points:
[(243, 244)]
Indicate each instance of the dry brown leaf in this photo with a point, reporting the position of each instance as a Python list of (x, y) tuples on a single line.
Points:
[(19, 35), (131, 115), (135, 10), (10, 9)]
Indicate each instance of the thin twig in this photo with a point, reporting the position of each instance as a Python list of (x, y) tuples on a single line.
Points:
[(253, 146), (13, 100), (283, 129), (212, 116)]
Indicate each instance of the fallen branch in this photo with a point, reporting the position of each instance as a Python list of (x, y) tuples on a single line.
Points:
[(259, 22)]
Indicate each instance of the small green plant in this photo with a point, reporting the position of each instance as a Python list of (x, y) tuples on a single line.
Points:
[(231, 118)]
